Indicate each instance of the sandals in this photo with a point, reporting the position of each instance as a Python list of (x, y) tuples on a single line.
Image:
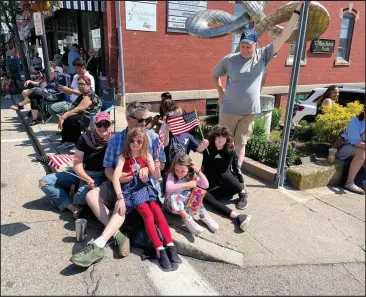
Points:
[(17, 107), (355, 189), (34, 122)]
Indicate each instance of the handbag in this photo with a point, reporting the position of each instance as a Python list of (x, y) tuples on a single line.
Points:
[(194, 201), (339, 143)]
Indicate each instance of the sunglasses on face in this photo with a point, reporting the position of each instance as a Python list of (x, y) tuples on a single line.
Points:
[(103, 124), (81, 84), (138, 141), (140, 120)]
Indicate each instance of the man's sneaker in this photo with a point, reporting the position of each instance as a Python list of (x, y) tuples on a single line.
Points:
[(173, 254), (243, 221), (123, 244), (66, 145), (87, 256), (163, 259), (242, 202), (209, 222), (192, 226)]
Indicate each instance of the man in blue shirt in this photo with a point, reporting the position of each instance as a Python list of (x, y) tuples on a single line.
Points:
[(102, 199), (73, 54)]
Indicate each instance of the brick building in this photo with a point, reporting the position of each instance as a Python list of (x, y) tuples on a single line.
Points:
[(160, 61)]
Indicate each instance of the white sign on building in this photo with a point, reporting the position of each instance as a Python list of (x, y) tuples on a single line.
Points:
[(37, 18), (140, 16), (96, 39), (179, 11)]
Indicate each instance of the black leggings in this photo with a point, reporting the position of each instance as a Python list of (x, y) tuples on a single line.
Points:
[(71, 129), (230, 186), (35, 96)]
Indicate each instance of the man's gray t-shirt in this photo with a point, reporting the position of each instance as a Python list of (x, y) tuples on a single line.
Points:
[(244, 77)]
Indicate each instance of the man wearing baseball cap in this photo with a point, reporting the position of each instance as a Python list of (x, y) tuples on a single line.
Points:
[(240, 102)]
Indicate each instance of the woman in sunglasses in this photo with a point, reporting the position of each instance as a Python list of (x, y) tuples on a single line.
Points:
[(88, 164), (71, 121)]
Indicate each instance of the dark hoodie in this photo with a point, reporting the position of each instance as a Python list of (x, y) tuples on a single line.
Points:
[(218, 163)]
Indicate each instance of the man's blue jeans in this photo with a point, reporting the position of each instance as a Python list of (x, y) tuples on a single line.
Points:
[(58, 185)]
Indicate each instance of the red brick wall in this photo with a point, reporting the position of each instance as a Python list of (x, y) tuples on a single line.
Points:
[(320, 68), (160, 61), (163, 61)]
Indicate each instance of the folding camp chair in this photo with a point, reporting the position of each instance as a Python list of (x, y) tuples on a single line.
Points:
[(108, 98), (46, 104)]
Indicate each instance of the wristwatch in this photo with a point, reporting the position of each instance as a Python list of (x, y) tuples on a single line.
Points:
[(297, 12)]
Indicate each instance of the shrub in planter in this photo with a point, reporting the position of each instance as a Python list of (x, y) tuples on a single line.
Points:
[(267, 152), (330, 125), (276, 118), (304, 131)]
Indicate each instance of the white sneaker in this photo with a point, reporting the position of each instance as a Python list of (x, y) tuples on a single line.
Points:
[(209, 222), (192, 226), (66, 145)]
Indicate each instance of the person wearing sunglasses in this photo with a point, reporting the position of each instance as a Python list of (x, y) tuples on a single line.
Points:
[(88, 164), (69, 123), (102, 199)]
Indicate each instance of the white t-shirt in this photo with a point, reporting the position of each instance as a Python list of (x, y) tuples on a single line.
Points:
[(74, 84)]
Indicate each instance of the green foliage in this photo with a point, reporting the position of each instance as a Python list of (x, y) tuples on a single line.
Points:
[(330, 125), (259, 129), (276, 118), (268, 152), (304, 131)]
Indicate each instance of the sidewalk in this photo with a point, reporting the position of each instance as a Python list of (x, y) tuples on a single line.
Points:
[(288, 227)]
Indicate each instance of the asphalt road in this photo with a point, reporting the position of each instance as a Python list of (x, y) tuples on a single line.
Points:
[(37, 242)]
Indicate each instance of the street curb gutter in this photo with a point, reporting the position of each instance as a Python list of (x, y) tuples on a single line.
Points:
[(204, 250), (199, 249), (38, 136)]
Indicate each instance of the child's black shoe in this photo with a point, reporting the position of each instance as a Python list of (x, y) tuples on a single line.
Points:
[(163, 260), (173, 254)]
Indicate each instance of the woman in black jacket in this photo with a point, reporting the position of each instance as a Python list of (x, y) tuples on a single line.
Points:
[(220, 165)]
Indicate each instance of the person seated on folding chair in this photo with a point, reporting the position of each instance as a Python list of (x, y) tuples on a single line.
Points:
[(69, 123), (88, 164), (57, 109), (48, 92)]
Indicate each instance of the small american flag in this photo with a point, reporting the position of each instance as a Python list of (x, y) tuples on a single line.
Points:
[(161, 137), (184, 123), (58, 161)]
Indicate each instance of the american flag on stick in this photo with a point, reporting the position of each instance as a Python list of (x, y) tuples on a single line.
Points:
[(184, 123), (161, 138), (58, 161)]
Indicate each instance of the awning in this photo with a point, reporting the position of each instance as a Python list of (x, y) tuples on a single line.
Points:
[(83, 5)]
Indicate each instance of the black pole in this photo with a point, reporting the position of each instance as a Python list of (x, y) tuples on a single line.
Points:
[(45, 50)]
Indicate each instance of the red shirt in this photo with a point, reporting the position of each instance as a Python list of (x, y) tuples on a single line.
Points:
[(129, 165)]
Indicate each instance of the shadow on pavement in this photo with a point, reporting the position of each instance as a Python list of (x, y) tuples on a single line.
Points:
[(13, 229), (73, 269)]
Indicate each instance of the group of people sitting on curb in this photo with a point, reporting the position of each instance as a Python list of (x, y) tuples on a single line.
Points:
[(119, 176), (70, 104)]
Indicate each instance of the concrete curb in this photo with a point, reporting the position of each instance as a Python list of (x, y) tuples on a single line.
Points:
[(205, 250), (198, 248), (40, 138)]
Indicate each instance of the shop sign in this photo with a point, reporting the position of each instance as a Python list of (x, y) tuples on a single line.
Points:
[(179, 11), (140, 16), (37, 18), (322, 46), (96, 39)]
